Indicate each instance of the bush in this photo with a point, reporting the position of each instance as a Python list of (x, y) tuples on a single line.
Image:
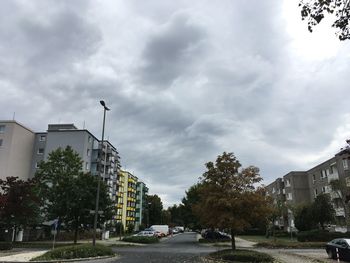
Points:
[(5, 245), (242, 256), (79, 251), (319, 236), (141, 239)]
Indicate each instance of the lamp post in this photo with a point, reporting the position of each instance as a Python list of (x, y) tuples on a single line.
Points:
[(105, 108)]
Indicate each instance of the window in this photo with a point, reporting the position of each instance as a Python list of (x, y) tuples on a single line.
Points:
[(315, 192), (331, 169), (0, 142), (41, 151), (42, 138), (89, 139), (2, 128), (289, 196), (324, 174), (313, 178), (323, 189), (88, 152), (288, 182), (345, 164), (87, 166), (36, 165)]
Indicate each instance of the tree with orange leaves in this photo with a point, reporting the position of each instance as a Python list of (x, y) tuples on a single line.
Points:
[(229, 197)]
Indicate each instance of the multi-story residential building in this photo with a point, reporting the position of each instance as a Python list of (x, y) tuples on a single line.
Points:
[(98, 158), (303, 187), (141, 203), (127, 198), (16, 146)]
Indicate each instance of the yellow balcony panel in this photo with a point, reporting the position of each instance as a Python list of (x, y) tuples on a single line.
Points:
[(120, 205), (131, 180)]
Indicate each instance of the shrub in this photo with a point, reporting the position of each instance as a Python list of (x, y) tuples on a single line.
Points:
[(5, 245), (242, 256), (79, 251), (141, 239), (319, 235)]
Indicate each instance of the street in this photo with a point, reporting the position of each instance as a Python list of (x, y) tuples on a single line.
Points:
[(185, 248), (180, 248)]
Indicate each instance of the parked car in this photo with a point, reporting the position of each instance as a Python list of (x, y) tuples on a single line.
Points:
[(213, 234), (343, 247), (146, 233)]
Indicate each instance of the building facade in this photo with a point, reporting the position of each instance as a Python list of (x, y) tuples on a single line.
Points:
[(296, 188), (22, 150), (16, 146), (141, 203), (126, 203)]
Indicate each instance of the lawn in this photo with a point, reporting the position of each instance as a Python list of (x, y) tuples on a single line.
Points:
[(282, 242)]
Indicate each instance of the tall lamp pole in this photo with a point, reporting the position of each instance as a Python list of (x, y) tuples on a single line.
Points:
[(105, 108)]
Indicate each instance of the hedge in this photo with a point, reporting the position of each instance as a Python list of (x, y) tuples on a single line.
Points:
[(5, 245), (141, 239), (319, 236), (242, 256), (79, 251)]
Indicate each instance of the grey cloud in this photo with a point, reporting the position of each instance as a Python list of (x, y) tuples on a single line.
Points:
[(170, 51)]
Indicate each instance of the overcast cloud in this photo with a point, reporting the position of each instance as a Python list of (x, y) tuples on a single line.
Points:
[(186, 80)]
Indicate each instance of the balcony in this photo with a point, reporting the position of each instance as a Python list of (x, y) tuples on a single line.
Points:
[(333, 176), (335, 195), (340, 211)]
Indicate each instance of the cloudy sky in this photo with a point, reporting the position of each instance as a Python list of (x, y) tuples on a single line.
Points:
[(186, 80)]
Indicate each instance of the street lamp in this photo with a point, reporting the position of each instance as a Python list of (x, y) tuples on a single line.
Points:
[(105, 108)]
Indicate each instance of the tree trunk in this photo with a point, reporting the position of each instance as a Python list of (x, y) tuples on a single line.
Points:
[(76, 231), (233, 243)]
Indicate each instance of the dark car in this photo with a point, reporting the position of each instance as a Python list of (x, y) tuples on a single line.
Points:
[(215, 235), (343, 247)]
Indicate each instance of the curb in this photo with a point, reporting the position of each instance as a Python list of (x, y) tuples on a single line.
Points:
[(64, 260)]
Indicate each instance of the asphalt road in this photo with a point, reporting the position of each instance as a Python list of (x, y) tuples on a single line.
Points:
[(180, 248)]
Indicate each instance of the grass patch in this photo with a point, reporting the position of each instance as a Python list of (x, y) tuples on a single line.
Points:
[(79, 251), (282, 244), (242, 255), (263, 238), (141, 239), (47, 245)]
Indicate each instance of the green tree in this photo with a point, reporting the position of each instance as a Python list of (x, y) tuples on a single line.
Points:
[(303, 217), (19, 204), (68, 193), (229, 198), (322, 210), (315, 10), (189, 201), (154, 209)]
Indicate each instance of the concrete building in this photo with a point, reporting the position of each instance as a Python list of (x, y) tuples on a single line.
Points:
[(303, 187), (126, 203), (141, 205), (16, 147)]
